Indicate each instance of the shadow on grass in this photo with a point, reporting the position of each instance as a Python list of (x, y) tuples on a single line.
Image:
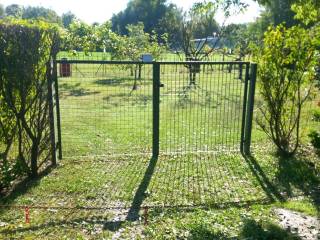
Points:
[(114, 82), (269, 188), (123, 82), (258, 231), (250, 230), (300, 174), (293, 173), (23, 187), (124, 99), (140, 194), (75, 90)]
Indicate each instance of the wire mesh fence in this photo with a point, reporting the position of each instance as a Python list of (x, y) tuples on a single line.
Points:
[(107, 107), (168, 56), (201, 109)]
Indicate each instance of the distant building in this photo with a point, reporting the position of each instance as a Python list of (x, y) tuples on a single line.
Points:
[(215, 42)]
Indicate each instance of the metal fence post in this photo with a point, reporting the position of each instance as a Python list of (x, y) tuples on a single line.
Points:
[(51, 114), (240, 71), (55, 79), (156, 109), (244, 108), (250, 107)]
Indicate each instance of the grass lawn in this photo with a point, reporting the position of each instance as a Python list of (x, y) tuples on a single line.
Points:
[(200, 187)]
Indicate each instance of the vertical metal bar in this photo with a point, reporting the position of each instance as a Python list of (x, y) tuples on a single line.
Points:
[(249, 118), (244, 108), (55, 78), (51, 114), (156, 109), (240, 70)]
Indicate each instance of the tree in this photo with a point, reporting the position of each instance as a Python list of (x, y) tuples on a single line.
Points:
[(149, 12), (67, 19), (287, 72), (133, 46), (308, 12), (200, 22), (170, 24), (81, 37), (24, 71), (280, 11), (2, 12), (41, 13), (14, 10)]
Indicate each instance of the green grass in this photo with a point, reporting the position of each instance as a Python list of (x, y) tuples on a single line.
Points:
[(199, 188), (197, 197)]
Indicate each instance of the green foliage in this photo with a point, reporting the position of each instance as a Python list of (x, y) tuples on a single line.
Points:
[(14, 10), (81, 36), (156, 15), (315, 138), (1, 11), (35, 13), (316, 115), (307, 11), (149, 12), (279, 11), (137, 42), (67, 19), (287, 73), (41, 13), (25, 52)]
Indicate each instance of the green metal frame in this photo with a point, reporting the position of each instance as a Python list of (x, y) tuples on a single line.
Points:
[(249, 110), (156, 110), (248, 98)]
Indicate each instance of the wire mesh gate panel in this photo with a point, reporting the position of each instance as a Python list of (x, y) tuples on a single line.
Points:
[(106, 108), (202, 106)]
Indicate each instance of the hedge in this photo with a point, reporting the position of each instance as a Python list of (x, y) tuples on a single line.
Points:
[(26, 49)]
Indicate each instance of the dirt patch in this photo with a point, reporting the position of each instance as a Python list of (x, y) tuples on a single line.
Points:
[(305, 227)]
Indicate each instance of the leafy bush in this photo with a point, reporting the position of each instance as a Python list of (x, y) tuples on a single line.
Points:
[(315, 138), (316, 116), (26, 49), (287, 73)]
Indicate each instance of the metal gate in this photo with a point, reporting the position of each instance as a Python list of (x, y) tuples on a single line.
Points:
[(124, 108)]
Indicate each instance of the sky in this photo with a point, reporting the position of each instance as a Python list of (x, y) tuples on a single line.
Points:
[(102, 10)]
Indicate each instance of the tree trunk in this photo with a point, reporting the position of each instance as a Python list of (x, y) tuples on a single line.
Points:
[(135, 83), (192, 78), (140, 70), (34, 159)]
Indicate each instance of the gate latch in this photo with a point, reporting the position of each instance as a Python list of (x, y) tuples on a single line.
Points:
[(161, 85)]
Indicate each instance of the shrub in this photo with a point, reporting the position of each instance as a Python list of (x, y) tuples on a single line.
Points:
[(287, 73), (315, 138), (26, 49), (316, 115)]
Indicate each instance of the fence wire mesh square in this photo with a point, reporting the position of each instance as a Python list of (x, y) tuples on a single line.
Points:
[(106, 109), (201, 107)]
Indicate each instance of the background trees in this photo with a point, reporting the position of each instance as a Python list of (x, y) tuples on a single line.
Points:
[(280, 11), (156, 15), (67, 19), (1, 11), (14, 10), (149, 12)]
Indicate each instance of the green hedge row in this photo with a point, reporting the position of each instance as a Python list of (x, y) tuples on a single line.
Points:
[(26, 49)]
